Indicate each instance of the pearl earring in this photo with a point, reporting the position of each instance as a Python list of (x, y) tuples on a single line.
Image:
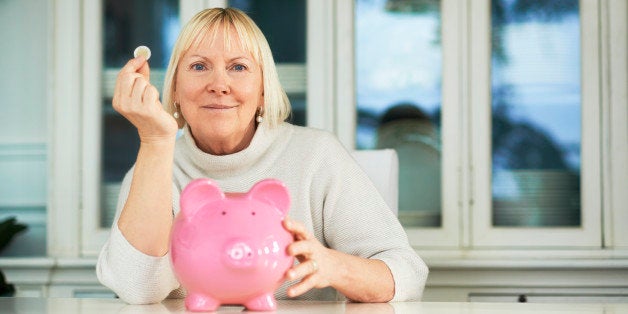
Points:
[(259, 117), (176, 111)]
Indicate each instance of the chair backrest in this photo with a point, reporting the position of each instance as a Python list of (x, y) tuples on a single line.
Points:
[(382, 167)]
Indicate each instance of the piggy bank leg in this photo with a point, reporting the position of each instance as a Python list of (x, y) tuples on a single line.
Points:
[(197, 302), (264, 302)]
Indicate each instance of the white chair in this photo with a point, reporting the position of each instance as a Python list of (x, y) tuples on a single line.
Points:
[(382, 166)]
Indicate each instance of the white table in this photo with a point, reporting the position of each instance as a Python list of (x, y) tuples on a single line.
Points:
[(63, 305)]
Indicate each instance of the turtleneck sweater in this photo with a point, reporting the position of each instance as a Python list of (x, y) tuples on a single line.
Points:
[(330, 194)]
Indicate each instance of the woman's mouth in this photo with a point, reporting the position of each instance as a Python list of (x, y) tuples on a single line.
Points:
[(217, 107)]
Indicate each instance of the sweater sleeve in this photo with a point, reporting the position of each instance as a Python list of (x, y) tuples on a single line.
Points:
[(358, 221), (135, 277)]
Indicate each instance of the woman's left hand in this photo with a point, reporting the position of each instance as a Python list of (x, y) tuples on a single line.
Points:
[(316, 262)]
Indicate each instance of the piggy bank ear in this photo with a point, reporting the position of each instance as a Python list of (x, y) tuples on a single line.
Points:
[(198, 193), (272, 192)]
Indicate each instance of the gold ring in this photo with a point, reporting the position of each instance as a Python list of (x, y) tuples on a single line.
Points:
[(314, 265)]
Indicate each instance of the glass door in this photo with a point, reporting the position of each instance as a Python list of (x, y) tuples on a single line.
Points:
[(542, 166)]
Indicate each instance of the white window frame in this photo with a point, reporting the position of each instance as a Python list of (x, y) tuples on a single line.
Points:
[(452, 232), (76, 95), (466, 131), (92, 234), (614, 103), (64, 177), (334, 109)]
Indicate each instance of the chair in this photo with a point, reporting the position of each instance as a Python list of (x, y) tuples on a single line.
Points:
[(382, 167), (419, 153)]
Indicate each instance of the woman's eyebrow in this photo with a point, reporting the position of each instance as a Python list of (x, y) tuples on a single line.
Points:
[(239, 57)]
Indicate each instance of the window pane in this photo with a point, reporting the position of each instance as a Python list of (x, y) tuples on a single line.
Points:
[(536, 113), (283, 22), (128, 24), (398, 64)]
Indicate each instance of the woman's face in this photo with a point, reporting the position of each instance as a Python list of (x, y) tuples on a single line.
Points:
[(219, 90)]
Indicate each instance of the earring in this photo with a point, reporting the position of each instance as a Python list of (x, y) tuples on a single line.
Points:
[(176, 111), (259, 117)]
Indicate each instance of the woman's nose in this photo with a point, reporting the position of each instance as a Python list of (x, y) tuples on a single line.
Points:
[(218, 82)]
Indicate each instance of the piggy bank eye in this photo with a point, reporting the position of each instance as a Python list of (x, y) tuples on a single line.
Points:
[(224, 213), (253, 213)]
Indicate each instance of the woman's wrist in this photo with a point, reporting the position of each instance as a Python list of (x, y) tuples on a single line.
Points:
[(158, 141)]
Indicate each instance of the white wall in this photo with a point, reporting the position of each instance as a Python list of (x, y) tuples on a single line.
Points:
[(24, 53)]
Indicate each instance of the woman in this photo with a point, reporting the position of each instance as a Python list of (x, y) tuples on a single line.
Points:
[(222, 88)]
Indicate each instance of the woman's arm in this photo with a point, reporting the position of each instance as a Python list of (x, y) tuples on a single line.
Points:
[(133, 262), (146, 218)]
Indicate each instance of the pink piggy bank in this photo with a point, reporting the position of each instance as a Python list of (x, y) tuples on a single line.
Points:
[(231, 248)]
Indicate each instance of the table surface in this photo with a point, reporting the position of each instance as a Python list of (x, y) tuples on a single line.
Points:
[(68, 305)]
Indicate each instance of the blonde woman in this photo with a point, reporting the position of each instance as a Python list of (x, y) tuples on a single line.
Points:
[(222, 89)]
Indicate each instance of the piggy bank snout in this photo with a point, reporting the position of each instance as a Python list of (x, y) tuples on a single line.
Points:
[(239, 253)]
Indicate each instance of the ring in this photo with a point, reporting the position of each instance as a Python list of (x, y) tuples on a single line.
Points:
[(314, 265)]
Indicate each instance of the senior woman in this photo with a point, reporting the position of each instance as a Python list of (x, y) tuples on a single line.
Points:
[(222, 89)]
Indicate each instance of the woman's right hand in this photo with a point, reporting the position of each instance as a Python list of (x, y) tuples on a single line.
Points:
[(138, 101)]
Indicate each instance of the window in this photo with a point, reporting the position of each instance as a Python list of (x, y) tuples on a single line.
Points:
[(536, 113), (530, 165), (113, 29), (399, 97), (458, 77), (286, 37), (508, 91), (127, 25)]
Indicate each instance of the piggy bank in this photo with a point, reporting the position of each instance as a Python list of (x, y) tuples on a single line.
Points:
[(230, 248)]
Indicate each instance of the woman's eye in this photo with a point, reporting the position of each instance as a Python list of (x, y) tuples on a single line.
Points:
[(239, 67), (198, 67)]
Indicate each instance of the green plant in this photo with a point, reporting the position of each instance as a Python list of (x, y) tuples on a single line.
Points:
[(8, 229)]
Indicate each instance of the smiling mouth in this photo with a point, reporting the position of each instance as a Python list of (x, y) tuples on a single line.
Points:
[(217, 107)]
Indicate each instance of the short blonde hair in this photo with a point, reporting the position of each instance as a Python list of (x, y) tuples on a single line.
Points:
[(276, 103)]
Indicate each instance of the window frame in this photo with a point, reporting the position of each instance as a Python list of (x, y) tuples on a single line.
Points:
[(74, 156), (614, 117), (466, 135)]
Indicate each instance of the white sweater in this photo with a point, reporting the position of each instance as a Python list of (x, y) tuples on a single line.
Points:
[(329, 192)]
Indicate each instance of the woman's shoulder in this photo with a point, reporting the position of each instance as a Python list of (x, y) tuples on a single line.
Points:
[(312, 136), (316, 146)]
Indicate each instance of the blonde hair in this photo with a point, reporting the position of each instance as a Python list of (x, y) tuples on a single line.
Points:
[(276, 108)]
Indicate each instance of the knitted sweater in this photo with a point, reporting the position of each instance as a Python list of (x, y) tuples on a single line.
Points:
[(329, 193)]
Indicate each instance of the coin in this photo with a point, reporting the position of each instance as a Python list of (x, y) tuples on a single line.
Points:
[(142, 51)]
